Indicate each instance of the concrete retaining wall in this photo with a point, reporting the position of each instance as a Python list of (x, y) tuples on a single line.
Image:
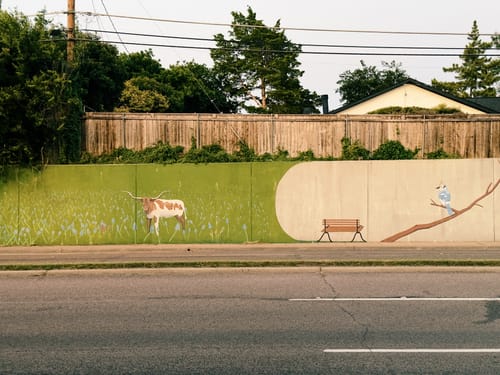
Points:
[(391, 196), (251, 202)]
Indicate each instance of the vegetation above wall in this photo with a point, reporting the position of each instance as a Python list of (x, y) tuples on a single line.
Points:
[(438, 110), (165, 153)]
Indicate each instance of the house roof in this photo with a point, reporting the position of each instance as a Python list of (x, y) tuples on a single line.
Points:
[(479, 105), (489, 102)]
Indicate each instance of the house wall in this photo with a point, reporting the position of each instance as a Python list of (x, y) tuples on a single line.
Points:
[(407, 96)]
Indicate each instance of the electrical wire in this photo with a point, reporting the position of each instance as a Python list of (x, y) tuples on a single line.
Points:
[(201, 23), (360, 53), (285, 28), (112, 24), (300, 44)]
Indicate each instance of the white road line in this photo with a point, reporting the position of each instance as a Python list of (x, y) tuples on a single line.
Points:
[(396, 299), (481, 350)]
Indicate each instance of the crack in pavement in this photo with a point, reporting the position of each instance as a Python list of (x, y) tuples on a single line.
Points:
[(365, 327)]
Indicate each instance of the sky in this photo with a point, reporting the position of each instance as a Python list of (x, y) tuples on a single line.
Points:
[(423, 23)]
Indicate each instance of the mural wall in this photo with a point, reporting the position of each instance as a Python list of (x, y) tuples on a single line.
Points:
[(416, 200), (90, 204)]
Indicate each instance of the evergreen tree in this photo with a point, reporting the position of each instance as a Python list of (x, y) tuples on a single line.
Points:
[(477, 75), (259, 68)]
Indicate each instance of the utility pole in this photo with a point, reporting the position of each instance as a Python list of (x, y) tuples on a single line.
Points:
[(71, 31)]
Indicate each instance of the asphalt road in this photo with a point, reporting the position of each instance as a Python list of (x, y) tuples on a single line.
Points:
[(251, 321)]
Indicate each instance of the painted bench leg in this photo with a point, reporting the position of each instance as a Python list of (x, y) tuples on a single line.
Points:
[(360, 234), (328, 234)]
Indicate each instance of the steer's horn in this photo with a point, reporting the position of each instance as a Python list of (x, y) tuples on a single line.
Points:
[(129, 193), (159, 195)]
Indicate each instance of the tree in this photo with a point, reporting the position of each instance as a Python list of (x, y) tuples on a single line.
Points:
[(98, 73), (258, 67), (368, 80), (142, 94), (142, 63), (478, 74), (189, 87), (495, 39), (37, 100), (193, 87)]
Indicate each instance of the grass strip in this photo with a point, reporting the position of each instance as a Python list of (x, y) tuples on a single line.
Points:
[(250, 264)]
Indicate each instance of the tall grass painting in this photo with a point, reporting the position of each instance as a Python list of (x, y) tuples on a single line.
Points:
[(91, 204)]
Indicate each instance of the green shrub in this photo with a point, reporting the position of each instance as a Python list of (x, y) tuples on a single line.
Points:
[(353, 151), (164, 153), (281, 155), (393, 150), (161, 153), (396, 110), (305, 156), (245, 152), (441, 154), (213, 153)]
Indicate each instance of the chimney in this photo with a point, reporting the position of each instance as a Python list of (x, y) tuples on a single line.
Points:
[(324, 101)]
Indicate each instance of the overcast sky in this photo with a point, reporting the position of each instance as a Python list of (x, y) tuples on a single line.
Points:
[(321, 71)]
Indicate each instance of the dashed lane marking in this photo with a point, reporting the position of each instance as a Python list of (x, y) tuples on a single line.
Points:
[(464, 350), (397, 299)]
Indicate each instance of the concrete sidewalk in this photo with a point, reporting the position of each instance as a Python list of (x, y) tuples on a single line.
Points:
[(259, 252)]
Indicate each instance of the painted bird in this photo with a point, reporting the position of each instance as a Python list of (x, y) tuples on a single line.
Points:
[(445, 198)]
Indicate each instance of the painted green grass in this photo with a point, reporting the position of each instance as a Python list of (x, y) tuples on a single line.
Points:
[(81, 205)]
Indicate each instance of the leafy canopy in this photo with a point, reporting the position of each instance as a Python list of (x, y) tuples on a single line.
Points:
[(258, 67), (368, 80), (39, 110)]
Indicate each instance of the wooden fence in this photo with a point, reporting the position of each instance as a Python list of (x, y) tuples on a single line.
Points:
[(471, 136)]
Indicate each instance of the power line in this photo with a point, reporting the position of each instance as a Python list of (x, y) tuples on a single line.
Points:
[(112, 23), (300, 44), (201, 23), (361, 53)]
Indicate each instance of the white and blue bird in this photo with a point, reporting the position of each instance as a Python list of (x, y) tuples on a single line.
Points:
[(445, 197)]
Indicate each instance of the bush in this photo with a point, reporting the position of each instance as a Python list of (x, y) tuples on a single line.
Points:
[(215, 153), (245, 152), (161, 153), (396, 110), (305, 156), (441, 154), (393, 150), (353, 151)]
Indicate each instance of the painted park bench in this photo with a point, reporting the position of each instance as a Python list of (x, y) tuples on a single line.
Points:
[(342, 225)]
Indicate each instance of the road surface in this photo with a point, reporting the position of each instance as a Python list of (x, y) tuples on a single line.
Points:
[(251, 321)]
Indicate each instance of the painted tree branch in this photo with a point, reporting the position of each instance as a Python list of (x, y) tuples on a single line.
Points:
[(491, 187)]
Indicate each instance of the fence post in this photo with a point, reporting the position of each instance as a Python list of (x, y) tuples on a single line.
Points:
[(124, 130), (198, 131), (424, 135), (273, 134)]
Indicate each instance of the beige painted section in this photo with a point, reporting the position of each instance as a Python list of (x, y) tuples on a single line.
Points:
[(389, 197), (407, 95)]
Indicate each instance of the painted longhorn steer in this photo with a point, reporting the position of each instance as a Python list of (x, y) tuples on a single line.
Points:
[(154, 208)]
